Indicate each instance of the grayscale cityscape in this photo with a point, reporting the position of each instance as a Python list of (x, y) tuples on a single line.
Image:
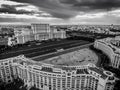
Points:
[(59, 44)]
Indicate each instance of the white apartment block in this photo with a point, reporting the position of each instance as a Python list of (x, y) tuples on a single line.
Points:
[(55, 33), (56, 77), (110, 46), (22, 34)]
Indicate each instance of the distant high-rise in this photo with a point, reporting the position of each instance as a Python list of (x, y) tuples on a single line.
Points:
[(22, 34), (40, 28), (57, 33), (41, 31)]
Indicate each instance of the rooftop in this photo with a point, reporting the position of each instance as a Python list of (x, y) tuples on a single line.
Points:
[(99, 71), (79, 71), (45, 67)]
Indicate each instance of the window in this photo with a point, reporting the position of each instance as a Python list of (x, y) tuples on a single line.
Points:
[(8, 76), (6, 63), (9, 80)]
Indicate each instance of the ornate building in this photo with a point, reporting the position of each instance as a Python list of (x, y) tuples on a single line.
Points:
[(110, 46), (25, 33), (56, 77)]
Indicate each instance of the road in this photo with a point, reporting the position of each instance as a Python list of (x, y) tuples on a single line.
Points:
[(40, 50), (49, 55)]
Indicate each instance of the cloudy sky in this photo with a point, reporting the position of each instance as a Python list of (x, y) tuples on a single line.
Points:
[(60, 11)]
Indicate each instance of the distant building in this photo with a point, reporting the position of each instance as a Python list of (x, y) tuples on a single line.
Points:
[(12, 41), (19, 33), (57, 33), (41, 31), (25, 33), (45, 32), (40, 28)]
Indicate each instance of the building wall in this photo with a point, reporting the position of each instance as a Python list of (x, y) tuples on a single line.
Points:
[(45, 32), (110, 51), (55, 33), (23, 34), (50, 77), (6, 71), (40, 28), (40, 32)]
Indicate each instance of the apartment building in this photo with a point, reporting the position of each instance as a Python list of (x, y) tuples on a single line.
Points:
[(56, 77), (110, 46)]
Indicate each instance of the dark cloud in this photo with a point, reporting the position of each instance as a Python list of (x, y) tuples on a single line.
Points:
[(20, 5), (70, 8), (99, 4), (11, 20), (54, 7), (69, 1), (107, 20), (11, 9), (26, 21)]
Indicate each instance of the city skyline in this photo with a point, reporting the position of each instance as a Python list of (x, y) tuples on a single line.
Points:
[(60, 11)]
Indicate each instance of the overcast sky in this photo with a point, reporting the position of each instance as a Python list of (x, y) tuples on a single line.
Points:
[(60, 11)]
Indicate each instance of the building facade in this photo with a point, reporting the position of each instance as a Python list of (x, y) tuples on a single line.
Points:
[(56, 77), (41, 31), (45, 32), (110, 46), (25, 33), (57, 33)]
